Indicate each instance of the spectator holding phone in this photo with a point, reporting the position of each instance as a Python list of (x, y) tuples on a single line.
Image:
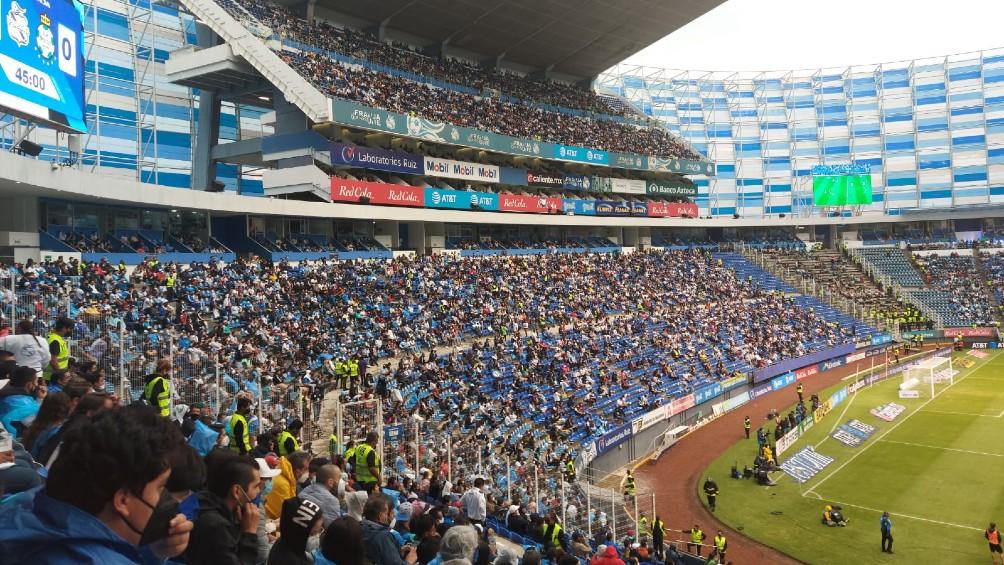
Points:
[(226, 531), (105, 500)]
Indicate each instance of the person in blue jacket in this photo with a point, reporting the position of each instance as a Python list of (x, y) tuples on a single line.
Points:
[(20, 400), (105, 500)]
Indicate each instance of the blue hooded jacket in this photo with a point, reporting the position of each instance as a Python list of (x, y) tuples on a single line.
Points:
[(35, 529), (16, 405)]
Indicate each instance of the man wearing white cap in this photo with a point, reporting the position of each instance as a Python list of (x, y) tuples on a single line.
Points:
[(265, 526)]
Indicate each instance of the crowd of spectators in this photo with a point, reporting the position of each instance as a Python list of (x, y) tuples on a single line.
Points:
[(485, 110), (957, 276)]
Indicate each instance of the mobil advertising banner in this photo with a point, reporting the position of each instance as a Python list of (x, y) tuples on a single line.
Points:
[(549, 180), (613, 438), (671, 209), (681, 404), (375, 158), (344, 190), (460, 199), (528, 204), (448, 168), (613, 208)]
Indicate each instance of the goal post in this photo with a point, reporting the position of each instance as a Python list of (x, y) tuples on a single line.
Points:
[(927, 375)]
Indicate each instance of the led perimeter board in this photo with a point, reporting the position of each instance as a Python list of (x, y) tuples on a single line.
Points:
[(42, 61)]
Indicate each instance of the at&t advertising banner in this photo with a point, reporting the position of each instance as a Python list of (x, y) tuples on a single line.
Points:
[(581, 155), (531, 204), (460, 199), (375, 158), (343, 190)]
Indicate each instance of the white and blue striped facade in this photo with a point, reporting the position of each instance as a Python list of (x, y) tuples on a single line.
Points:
[(932, 130), (139, 124)]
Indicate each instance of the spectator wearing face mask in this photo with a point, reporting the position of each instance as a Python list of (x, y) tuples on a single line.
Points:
[(104, 500), (293, 469), (20, 400), (324, 492), (226, 531), (300, 526), (265, 528), (378, 540)]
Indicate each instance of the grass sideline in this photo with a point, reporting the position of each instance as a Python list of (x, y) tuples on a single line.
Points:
[(936, 469)]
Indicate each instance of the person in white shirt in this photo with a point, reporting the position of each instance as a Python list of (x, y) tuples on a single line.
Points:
[(474, 502), (29, 350)]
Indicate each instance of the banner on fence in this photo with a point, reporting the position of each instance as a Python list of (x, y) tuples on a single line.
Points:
[(760, 391), (729, 384), (375, 158), (706, 393), (681, 404), (822, 411), (805, 464), (731, 404), (670, 188), (581, 155), (838, 397), (782, 380), (832, 363), (460, 199), (529, 204), (806, 372), (613, 438), (969, 332), (786, 441), (649, 419)]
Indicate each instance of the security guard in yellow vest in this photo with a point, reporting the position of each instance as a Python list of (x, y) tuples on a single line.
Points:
[(643, 530), (569, 470), (746, 426), (341, 373), (58, 348), (696, 539), (658, 535), (552, 531), (286, 442), (237, 427), (721, 545), (800, 389), (157, 391), (350, 454), (353, 376), (367, 463), (169, 283), (629, 487), (333, 445)]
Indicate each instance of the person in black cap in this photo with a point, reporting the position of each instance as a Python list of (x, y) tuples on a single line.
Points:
[(300, 526)]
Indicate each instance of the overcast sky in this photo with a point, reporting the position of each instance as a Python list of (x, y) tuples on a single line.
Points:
[(762, 35)]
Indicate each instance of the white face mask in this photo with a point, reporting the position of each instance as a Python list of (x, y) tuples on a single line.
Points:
[(341, 489), (313, 543), (304, 476)]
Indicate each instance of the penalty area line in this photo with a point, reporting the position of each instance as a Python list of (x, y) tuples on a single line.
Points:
[(942, 448)]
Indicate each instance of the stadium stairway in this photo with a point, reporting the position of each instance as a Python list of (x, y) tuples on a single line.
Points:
[(246, 45)]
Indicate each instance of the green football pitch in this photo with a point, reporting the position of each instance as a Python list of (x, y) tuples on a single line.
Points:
[(938, 469)]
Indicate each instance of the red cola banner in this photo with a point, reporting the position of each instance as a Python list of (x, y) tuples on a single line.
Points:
[(530, 204), (344, 190), (671, 209)]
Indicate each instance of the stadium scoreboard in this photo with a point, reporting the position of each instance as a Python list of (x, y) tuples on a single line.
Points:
[(841, 185), (42, 61)]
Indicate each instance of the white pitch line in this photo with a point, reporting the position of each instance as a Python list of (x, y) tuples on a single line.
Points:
[(959, 413), (942, 448), (899, 423), (907, 516)]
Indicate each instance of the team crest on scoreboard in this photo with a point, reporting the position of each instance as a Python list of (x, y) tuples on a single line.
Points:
[(17, 25), (44, 41)]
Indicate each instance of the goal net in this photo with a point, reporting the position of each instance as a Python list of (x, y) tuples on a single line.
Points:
[(927, 377)]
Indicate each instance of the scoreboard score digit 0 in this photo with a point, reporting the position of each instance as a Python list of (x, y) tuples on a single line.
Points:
[(42, 61)]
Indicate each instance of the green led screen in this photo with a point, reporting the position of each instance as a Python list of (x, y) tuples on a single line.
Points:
[(841, 190)]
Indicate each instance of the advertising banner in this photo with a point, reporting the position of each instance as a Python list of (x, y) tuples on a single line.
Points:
[(639, 209), (344, 190), (448, 168), (575, 182), (681, 404), (832, 363), (706, 393), (782, 381), (837, 397), (922, 333), (881, 339), (969, 332), (805, 464), (806, 372), (778, 368), (613, 438), (529, 204), (854, 357), (731, 404), (375, 158), (760, 391), (600, 184), (460, 199), (581, 155), (628, 186), (888, 412), (685, 166), (579, 207), (649, 419), (628, 161), (613, 208), (672, 209), (670, 188), (822, 411), (549, 180), (853, 433), (729, 384), (392, 433), (785, 442)]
